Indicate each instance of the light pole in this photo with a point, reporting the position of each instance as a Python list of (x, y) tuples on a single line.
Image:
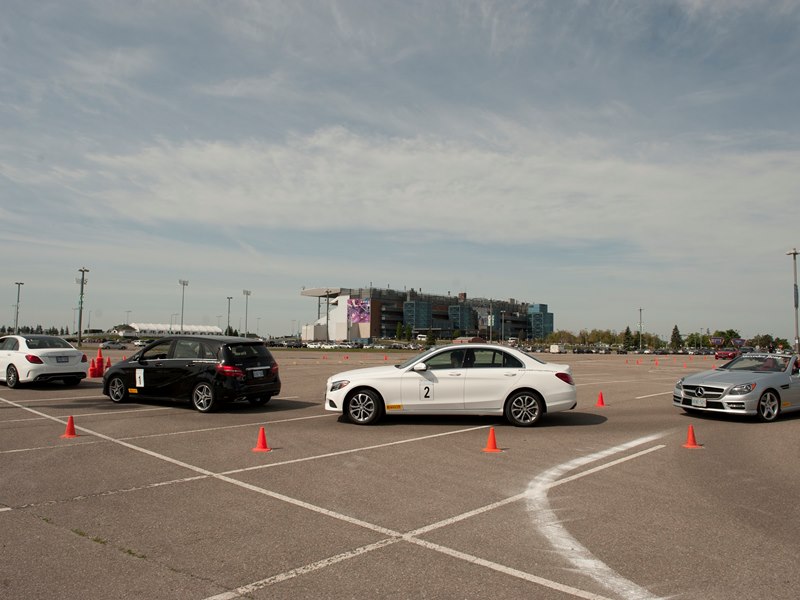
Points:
[(793, 254), (640, 331), (19, 284), (83, 271), (246, 298), (228, 330), (172, 319), (128, 317), (183, 283)]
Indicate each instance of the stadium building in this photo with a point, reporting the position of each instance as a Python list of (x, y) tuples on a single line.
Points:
[(345, 314)]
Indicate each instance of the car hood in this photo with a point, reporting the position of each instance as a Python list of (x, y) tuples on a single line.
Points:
[(366, 372), (721, 377)]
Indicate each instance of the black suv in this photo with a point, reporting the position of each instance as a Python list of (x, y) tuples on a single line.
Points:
[(207, 370)]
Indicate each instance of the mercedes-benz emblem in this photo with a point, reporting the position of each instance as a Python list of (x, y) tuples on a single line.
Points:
[(699, 392)]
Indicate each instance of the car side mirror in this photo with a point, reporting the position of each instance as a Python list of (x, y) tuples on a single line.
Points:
[(419, 367)]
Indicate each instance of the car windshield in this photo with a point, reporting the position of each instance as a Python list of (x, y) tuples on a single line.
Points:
[(39, 343), (417, 357), (769, 363)]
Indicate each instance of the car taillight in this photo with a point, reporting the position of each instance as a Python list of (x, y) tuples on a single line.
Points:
[(274, 368), (84, 359), (32, 358), (230, 371), (566, 378)]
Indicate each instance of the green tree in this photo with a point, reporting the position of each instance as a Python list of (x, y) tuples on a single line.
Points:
[(676, 341), (398, 332), (627, 338)]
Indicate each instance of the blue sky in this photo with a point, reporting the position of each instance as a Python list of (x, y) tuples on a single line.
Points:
[(596, 156)]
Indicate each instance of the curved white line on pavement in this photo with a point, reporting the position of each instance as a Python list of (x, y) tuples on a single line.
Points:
[(567, 546)]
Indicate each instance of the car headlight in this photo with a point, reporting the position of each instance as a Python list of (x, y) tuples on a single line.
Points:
[(337, 385), (679, 384), (744, 388)]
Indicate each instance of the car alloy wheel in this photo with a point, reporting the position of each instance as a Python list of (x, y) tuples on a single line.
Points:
[(116, 390), (524, 409), (12, 377), (769, 406), (364, 407), (203, 397)]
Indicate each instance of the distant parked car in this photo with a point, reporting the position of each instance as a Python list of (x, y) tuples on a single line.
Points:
[(206, 370), (35, 358), (726, 354), (111, 345)]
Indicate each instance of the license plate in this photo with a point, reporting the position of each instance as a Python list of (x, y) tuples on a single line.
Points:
[(258, 374), (62, 359), (699, 402)]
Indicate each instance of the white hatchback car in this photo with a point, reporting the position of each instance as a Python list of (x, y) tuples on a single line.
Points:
[(460, 379), (36, 358)]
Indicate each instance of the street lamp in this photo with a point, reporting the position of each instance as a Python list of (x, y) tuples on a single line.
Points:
[(19, 284), (183, 283), (246, 298), (128, 317), (640, 330), (228, 330), (793, 254), (172, 319), (83, 271)]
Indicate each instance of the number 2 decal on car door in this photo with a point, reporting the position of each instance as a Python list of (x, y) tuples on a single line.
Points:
[(426, 391)]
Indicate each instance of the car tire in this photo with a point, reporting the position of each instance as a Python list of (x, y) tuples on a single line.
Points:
[(769, 406), (117, 390), (524, 409), (259, 400), (364, 407), (203, 397), (12, 377)]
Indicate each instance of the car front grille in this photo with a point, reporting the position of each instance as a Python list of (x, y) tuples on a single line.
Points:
[(709, 393)]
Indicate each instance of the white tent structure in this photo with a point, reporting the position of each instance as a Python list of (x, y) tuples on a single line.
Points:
[(159, 329)]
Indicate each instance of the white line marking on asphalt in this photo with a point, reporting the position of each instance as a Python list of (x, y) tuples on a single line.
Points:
[(154, 435), (411, 536), (653, 395), (567, 546), (537, 493), (353, 450)]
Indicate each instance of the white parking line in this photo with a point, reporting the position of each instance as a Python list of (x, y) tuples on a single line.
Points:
[(654, 395), (536, 494), (565, 544)]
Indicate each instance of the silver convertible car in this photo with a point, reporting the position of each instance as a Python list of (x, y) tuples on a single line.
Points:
[(764, 385), (460, 379)]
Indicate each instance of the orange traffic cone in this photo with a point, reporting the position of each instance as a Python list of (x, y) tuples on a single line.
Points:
[(491, 443), (92, 369), (70, 430), (108, 363), (600, 401), (261, 446), (690, 441)]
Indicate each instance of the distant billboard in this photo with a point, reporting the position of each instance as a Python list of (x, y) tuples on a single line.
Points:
[(358, 310)]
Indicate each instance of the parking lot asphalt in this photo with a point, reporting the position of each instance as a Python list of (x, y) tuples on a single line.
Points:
[(155, 500)]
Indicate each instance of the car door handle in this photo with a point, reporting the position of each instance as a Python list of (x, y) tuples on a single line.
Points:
[(510, 374), (455, 374)]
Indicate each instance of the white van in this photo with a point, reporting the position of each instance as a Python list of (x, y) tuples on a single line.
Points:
[(555, 349)]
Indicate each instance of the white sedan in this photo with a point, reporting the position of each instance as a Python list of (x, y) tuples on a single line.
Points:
[(37, 358), (460, 379)]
